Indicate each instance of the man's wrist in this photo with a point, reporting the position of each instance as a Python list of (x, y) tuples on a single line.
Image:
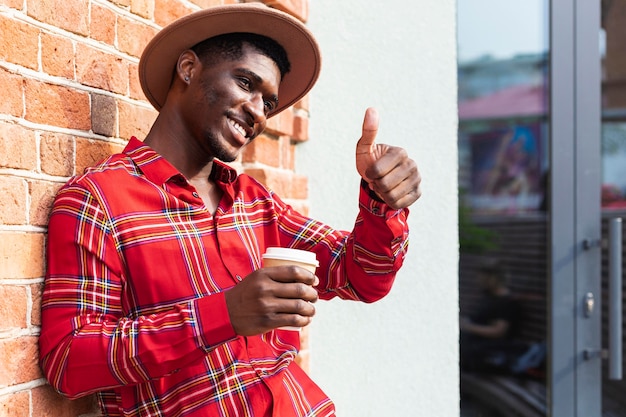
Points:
[(371, 192)]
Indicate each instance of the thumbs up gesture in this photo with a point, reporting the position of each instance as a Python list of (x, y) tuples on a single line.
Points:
[(388, 170)]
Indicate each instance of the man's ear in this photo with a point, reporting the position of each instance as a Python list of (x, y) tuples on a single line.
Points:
[(186, 66)]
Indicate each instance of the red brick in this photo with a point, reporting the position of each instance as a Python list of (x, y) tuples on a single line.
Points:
[(208, 3), (287, 153), (57, 105), (122, 2), (18, 147), (15, 405), (304, 360), (304, 338), (281, 124), (143, 8), (299, 187), (57, 154), (57, 56), (133, 36), (264, 150), (166, 11), (277, 180), (300, 128), (35, 315), (13, 201), (102, 24), (134, 89), (134, 120), (301, 206), (41, 197), (48, 403), (303, 104), (103, 115), (90, 152), (297, 8), (19, 42), (19, 360), (14, 4), (13, 308), (71, 15), (12, 102), (99, 69), (21, 255)]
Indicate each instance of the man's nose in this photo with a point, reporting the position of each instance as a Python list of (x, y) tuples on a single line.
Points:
[(255, 106)]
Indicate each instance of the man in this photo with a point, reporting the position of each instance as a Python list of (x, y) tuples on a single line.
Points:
[(155, 295), (488, 335)]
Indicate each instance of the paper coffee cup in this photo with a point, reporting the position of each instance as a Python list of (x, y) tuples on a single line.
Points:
[(274, 256), (286, 256)]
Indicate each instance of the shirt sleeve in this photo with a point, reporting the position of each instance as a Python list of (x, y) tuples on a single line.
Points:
[(89, 342), (359, 265)]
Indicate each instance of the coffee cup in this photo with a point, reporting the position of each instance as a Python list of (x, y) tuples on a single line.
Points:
[(275, 256)]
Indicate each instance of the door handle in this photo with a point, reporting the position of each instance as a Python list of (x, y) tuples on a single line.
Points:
[(615, 298)]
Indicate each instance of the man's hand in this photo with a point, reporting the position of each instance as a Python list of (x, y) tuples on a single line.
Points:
[(272, 297), (387, 169)]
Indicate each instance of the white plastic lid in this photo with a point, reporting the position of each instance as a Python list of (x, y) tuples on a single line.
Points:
[(289, 254)]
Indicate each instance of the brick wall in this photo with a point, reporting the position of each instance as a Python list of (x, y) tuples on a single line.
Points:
[(71, 96)]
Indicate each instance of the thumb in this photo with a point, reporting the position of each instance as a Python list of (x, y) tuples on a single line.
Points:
[(370, 128), (366, 150)]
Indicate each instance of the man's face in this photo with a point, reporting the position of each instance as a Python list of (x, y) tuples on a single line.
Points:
[(229, 102), (488, 282)]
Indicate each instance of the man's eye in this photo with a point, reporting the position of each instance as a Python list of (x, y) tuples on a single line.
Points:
[(269, 105), (245, 83)]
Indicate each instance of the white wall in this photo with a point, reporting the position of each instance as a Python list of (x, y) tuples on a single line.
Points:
[(397, 357)]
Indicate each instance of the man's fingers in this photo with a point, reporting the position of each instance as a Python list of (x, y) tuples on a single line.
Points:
[(291, 273), (296, 291), (397, 182), (272, 297), (294, 306)]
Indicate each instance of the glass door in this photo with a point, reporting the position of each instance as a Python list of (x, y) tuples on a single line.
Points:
[(504, 169), (613, 189), (530, 229)]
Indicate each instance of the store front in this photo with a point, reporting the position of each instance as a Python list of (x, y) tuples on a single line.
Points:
[(542, 164)]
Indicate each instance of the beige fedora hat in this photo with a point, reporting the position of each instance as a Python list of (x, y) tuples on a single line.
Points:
[(158, 61)]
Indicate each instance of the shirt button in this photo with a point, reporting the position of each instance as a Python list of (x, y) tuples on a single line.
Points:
[(195, 194), (239, 278)]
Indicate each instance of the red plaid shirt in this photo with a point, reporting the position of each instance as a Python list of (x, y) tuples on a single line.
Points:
[(134, 308)]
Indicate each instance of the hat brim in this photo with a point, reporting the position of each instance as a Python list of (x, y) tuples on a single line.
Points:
[(159, 58)]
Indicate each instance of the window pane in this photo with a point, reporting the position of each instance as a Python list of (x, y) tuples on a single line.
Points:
[(503, 165)]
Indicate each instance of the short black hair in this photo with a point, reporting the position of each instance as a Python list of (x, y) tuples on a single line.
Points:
[(494, 268), (229, 46)]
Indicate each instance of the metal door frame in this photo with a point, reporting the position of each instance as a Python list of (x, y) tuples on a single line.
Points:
[(574, 334)]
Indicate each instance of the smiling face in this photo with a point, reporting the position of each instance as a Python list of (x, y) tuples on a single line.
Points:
[(228, 101)]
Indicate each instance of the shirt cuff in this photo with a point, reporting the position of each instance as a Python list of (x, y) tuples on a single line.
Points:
[(369, 200), (371, 193), (213, 320)]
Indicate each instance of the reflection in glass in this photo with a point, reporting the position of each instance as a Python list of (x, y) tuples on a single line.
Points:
[(503, 178), (613, 37), (503, 142)]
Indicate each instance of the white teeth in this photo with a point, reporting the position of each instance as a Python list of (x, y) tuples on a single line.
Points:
[(238, 127)]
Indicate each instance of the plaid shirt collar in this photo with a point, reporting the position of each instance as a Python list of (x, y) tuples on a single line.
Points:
[(159, 171)]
